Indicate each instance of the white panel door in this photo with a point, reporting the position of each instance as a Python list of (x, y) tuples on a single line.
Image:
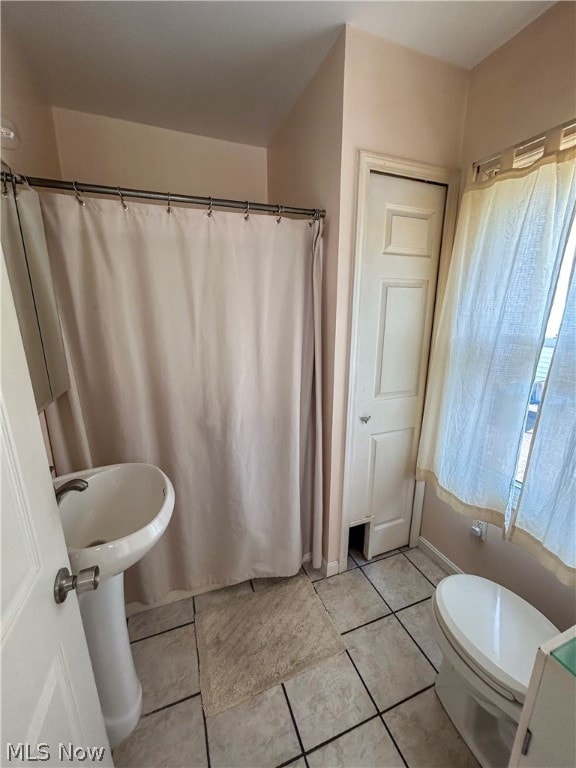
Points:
[(399, 267), (50, 708)]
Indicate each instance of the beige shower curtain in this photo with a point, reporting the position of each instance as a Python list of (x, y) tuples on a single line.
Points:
[(194, 344)]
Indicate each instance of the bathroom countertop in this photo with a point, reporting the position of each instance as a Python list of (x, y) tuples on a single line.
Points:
[(566, 655)]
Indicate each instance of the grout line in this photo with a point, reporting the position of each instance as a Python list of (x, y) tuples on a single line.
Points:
[(194, 605), (375, 559), (163, 632), (353, 558), (343, 733), (295, 725), (377, 708), (418, 569), (172, 704), (362, 680), (416, 644), (206, 737), (411, 605), (202, 705), (252, 585), (412, 696), (375, 589), (393, 613), (366, 624), (292, 761), (387, 616), (385, 724)]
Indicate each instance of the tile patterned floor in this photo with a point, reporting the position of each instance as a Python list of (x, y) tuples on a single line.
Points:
[(373, 705)]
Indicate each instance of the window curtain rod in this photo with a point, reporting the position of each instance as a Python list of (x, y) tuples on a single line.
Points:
[(168, 197)]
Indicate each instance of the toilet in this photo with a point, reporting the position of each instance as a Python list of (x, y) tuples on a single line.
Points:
[(488, 637)]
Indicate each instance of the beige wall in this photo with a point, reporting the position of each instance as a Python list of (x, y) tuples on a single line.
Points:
[(24, 106), (400, 103), (525, 87), (304, 162), (498, 560), (103, 150)]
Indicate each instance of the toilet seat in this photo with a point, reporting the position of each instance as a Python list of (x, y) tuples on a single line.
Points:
[(495, 631)]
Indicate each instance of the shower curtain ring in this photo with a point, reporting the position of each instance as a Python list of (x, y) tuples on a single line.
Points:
[(4, 186), (210, 208), (247, 211), (78, 195), (280, 212), (315, 217), (169, 209), (124, 206)]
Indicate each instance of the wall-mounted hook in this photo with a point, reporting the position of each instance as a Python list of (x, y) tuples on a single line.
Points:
[(78, 195), (124, 206), (247, 211)]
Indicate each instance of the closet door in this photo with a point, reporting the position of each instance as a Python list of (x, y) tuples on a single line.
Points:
[(398, 272)]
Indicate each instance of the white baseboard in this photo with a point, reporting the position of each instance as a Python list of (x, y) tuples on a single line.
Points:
[(437, 556), (332, 568)]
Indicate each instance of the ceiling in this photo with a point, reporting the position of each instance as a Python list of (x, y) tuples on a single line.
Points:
[(229, 70)]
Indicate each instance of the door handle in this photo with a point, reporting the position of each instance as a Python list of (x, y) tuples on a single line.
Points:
[(365, 419), (85, 580)]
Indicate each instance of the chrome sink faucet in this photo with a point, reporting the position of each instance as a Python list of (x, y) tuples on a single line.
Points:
[(72, 485)]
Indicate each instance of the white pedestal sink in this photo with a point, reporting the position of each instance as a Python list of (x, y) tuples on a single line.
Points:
[(113, 523)]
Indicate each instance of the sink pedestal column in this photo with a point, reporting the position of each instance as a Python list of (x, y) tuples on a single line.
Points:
[(120, 692)]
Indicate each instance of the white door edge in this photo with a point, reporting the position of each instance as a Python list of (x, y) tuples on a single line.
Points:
[(367, 163)]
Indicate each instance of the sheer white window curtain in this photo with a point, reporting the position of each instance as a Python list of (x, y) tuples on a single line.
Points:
[(510, 242)]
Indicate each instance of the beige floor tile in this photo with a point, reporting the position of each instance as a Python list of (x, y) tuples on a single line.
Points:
[(428, 567), (426, 736), (257, 734), (398, 581), (327, 700), (172, 738), (167, 666), (300, 763), (361, 560), (390, 663), (159, 619), (367, 746), (418, 621), (351, 600), (220, 596)]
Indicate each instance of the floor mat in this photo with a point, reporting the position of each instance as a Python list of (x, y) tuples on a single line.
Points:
[(253, 643)]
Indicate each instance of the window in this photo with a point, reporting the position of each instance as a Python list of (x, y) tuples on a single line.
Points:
[(525, 154), (547, 352), (499, 431)]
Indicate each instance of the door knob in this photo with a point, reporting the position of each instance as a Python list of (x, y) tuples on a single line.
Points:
[(365, 419), (85, 580)]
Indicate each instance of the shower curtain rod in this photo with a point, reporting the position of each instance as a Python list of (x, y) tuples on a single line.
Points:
[(168, 197)]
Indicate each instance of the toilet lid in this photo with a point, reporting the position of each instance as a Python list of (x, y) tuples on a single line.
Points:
[(495, 628)]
